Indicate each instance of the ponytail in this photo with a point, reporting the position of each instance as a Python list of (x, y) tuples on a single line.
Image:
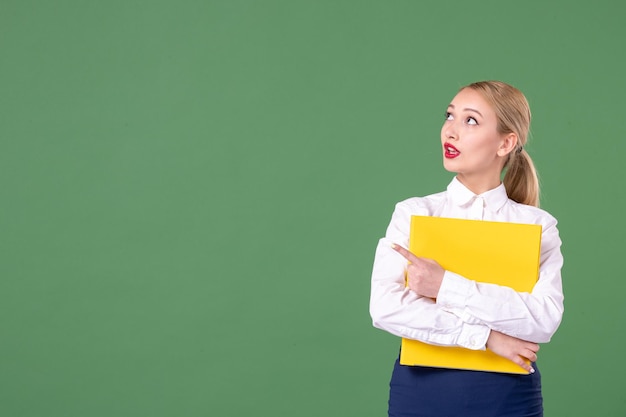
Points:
[(521, 181)]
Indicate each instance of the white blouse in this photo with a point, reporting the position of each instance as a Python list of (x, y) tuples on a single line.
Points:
[(466, 311)]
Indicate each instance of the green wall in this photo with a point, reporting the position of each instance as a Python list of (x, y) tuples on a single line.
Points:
[(192, 191)]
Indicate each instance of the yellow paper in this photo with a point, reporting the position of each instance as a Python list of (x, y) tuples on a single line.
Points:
[(500, 253)]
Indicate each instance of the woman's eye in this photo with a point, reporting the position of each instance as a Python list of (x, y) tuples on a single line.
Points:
[(471, 121), (448, 116)]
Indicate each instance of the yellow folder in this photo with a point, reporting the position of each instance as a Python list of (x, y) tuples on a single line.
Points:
[(500, 253)]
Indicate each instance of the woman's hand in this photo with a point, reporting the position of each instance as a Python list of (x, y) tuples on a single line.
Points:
[(424, 276), (514, 349)]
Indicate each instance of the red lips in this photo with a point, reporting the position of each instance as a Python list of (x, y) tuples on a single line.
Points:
[(450, 151)]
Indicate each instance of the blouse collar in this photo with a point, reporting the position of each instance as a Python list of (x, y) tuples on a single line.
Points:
[(461, 195)]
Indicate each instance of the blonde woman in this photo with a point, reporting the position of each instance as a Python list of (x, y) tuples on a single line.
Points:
[(483, 136)]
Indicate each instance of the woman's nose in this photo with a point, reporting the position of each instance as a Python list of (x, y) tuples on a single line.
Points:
[(449, 130)]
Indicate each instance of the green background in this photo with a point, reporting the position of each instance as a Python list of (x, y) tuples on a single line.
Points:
[(192, 192)]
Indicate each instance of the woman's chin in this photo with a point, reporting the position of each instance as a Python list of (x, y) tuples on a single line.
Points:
[(449, 166)]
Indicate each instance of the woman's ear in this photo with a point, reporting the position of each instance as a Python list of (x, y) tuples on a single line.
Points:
[(508, 144)]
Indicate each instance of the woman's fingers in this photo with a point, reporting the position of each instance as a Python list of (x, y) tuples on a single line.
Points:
[(404, 252), (514, 349), (424, 276), (531, 356), (521, 362)]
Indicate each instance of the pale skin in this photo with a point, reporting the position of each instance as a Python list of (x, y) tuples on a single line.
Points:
[(471, 127)]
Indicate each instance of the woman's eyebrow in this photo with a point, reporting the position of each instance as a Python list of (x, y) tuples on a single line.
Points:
[(474, 110), (467, 109)]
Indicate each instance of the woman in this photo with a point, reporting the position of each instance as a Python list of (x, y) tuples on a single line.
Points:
[(484, 134)]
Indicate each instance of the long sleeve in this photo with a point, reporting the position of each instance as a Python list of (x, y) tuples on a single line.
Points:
[(399, 311), (466, 311), (531, 316)]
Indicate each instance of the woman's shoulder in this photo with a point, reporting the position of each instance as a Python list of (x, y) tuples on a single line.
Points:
[(532, 214), (425, 205)]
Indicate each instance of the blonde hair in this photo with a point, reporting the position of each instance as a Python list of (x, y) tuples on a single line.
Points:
[(513, 113)]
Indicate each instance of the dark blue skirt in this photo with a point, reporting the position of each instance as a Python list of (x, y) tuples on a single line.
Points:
[(417, 391)]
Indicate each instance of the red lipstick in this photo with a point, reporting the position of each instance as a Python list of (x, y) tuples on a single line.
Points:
[(450, 151)]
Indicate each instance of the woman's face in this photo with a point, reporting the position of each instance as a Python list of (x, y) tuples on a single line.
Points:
[(472, 146)]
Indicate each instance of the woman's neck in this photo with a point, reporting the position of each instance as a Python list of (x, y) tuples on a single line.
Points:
[(479, 184)]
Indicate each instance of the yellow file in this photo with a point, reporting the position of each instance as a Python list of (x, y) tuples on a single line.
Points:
[(495, 252)]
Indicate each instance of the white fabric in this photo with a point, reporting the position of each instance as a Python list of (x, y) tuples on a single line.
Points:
[(466, 311)]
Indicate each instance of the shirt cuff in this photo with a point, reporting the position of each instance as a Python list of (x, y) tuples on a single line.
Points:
[(474, 336)]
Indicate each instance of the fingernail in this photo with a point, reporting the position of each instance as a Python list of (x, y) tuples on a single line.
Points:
[(393, 246)]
